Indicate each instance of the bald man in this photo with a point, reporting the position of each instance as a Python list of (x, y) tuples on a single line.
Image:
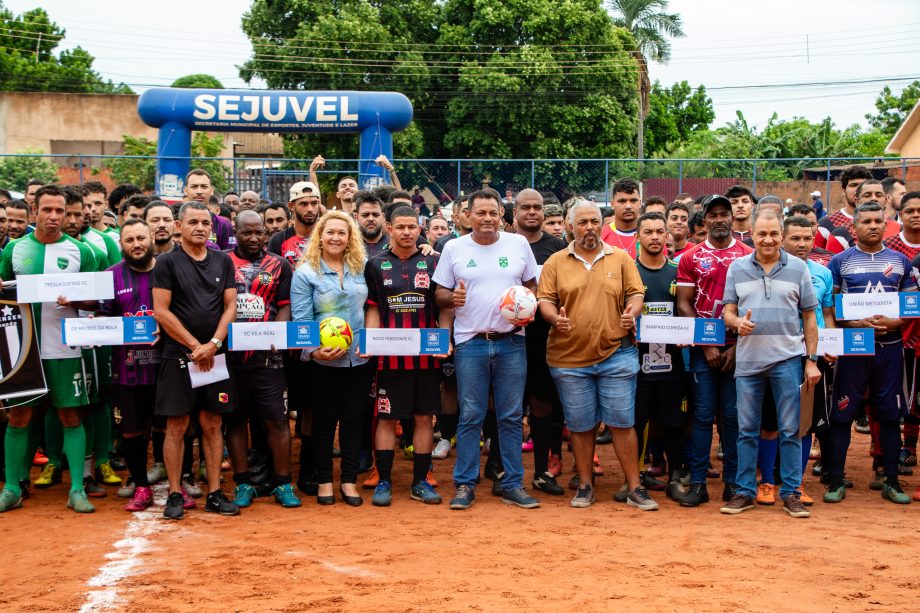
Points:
[(249, 200)]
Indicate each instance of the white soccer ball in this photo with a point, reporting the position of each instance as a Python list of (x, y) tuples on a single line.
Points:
[(518, 305)]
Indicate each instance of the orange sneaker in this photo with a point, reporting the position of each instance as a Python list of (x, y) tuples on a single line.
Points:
[(372, 479), (805, 498), (554, 465), (766, 494), (598, 470), (40, 458), (431, 480)]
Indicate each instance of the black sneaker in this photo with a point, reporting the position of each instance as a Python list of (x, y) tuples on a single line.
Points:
[(862, 425), (651, 483), (697, 495), (494, 471), (174, 506), (497, 489), (218, 503), (25, 488), (547, 484), (604, 438), (816, 469), (729, 491)]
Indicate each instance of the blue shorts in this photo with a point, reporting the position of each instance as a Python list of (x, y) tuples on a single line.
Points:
[(882, 373), (603, 392)]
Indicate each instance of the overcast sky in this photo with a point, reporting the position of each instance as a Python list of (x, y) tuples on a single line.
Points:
[(729, 47)]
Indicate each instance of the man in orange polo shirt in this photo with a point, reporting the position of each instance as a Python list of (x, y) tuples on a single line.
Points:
[(591, 295)]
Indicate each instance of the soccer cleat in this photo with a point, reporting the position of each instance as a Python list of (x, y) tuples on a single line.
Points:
[(106, 475), (547, 484), (738, 504), (50, 475), (795, 507), (527, 445), (285, 496), (127, 490), (217, 503), (463, 499), (584, 497), (908, 457), (117, 462), (174, 506), (156, 473), (604, 438), (191, 488), (409, 452), (79, 502), (25, 487), (424, 492), (520, 498), (372, 479), (441, 450), (494, 471), (877, 482), (598, 469), (40, 458), (862, 425), (651, 483), (187, 501), (835, 494), (554, 465), (383, 494), (142, 500), (905, 471), (894, 493), (695, 496), (816, 469), (243, 495), (9, 500), (766, 494), (805, 498), (93, 489), (640, 499), (676, 490)]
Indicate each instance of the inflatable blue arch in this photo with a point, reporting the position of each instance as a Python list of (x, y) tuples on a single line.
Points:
[(176, 112)]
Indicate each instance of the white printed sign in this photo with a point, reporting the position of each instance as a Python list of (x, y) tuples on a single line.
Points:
[(259, 336), (667, 330), (73, 286), (84, 332)]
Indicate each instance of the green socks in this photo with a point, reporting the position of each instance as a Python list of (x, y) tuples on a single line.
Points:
[(75, 450), (17, 466)]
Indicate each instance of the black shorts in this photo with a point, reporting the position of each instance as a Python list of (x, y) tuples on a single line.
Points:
[(661, 401), (539, 382), (176, 398), (259, 392), (135, 404), (404, 393)]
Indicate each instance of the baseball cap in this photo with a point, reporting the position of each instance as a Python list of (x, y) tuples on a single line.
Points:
[(301, 189), (713, 200), (815, 194)]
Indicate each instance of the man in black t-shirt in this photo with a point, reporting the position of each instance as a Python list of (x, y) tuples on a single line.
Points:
[(661, 383), (193, 287), (400, 294), (545, 416)]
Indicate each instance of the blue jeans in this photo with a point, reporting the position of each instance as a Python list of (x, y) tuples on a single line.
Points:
[(501, 366), (713, 390), (784, 379), (603, 392)]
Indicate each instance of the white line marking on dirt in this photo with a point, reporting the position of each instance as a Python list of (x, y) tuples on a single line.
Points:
[(123, 562), (354, 571)]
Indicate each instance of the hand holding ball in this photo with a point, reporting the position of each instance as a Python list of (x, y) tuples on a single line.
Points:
[(518, 305)]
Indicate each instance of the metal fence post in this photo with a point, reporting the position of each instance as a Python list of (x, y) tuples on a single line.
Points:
[(606, 182), (81, 170), (458, 178), (680, 176), (532, 174), (754, 181), (264, 192)]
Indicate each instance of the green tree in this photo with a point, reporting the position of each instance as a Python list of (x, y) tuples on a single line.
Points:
[(893, 110), (651, 26), (194, 81), (28, 61), (141, 171), (676, 113), (16, 171)]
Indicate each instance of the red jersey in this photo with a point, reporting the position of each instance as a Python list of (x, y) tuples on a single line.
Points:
[(627, 241), (704, 268), (679, 252), (288, 245)]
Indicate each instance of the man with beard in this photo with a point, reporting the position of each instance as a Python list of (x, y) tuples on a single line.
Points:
[(263, 286), (94, 198), (134, 367), (894, 194), (700, 285), (162, 224), (540, 393), (621, 232), (275, 216), (249, 201), (304, 203), (369, 213), (17, 214)]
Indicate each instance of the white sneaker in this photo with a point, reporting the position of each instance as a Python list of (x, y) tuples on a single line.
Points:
[(156, 473), (127, 490), (441, 450), (191, 488)]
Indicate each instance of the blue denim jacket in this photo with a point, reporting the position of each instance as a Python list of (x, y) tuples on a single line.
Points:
[(318, 295)]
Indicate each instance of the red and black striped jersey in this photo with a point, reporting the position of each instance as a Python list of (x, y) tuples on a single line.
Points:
[(288, 245), (263, 286), (900, 244), (402, 292)]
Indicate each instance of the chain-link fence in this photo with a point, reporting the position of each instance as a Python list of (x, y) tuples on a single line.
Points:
[(443, 179)]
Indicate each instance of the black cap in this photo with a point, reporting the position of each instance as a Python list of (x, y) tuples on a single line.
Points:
[(714, 199)]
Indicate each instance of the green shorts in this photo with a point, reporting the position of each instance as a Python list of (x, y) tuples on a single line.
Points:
[(67, 382)]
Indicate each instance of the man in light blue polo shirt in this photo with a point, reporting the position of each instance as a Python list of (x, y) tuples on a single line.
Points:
[(771, 288)]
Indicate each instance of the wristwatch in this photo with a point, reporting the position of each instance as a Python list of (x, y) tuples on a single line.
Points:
[(814, 357), (217, 342)]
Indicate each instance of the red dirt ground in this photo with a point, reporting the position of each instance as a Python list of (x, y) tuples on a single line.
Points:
[(859, 555)]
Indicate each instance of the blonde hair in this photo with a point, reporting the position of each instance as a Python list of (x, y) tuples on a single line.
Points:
[(355, 255)]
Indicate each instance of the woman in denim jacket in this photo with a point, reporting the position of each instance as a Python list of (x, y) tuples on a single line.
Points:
[(329, 282)]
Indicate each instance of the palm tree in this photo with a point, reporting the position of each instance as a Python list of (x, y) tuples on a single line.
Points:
[(651, 26)]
